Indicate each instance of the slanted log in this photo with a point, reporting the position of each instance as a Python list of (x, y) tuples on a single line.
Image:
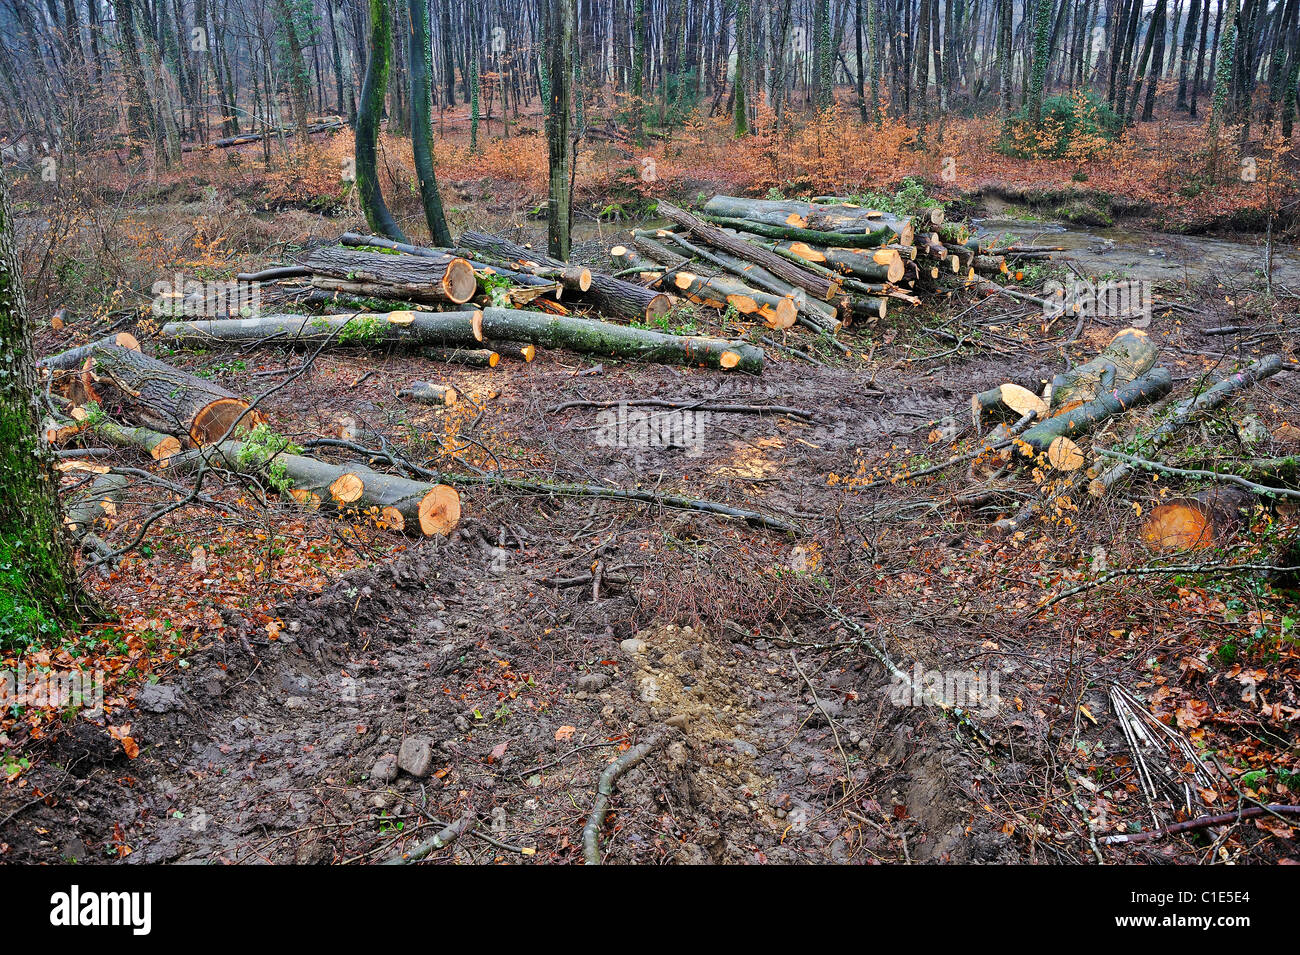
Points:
[(841, 218), (574, 277), (1207, 400), (346, 489), (161, 397), (431, 277), (74, 358), (1128, 356), (610, 296), (87, 505), (719, 291), (1055, 436), (876, 265), (817, 315), (618, 341), (360, 329), (820, 286)]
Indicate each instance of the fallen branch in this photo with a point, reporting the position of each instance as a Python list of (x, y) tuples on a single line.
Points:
[(605, 789)]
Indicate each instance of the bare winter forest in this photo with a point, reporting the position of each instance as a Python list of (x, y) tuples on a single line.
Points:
[(649, 431)]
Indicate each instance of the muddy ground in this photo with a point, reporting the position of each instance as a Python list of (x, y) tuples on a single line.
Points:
[(512, 662)]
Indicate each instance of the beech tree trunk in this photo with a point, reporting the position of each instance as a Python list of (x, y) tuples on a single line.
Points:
[(38, 587)]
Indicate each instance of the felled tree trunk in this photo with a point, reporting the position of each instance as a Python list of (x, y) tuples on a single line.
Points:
[(1054, 437), (1207, 519), (159, 446), (876, 238), (816, 314), (815, 217), (1129, 355), (1005, 401), (429, 393), (818, 285), (434, 277), (363, 329), (618, 341), (88, 505), (470, 357), (610, 296), (1207, 400), (162, 397), (880, 265), (571, 277), (718, 291), (347, 489), (74, 358)]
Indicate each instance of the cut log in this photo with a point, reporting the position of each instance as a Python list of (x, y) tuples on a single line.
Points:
[(360, 329), (1054, 437), (434, 277), (815, 217), (876, 265), (719, 291), (87, 505), (161, 397), (1129, 355), (1207, 400), (618, 341), (513, 351), (610, 296), (1205, 520), (74, 358), (429, 393), (470, 357), (820, 286), (346, 489), (159, 446), (865, 240), (574, 277), (818, 315), (1006, 401)]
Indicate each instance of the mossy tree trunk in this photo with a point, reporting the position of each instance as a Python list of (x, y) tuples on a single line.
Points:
[(368, 119), (287, 13), (38, 586), (561, 19), (422, 122)]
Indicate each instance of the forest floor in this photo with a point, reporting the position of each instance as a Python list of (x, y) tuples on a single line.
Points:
[(259, 692)]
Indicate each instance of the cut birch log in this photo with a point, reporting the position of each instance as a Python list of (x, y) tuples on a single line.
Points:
[(359, 329), (719, 291), (346, 489), (161, 397), (618, 341), (428, 393), (433, 277), (1128, 356)]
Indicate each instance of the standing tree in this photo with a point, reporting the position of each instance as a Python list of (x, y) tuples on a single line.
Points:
[(1227, 52), (740, 108), (287, 13), (422, 122), (38, 586), (561, 18), (368, 118)]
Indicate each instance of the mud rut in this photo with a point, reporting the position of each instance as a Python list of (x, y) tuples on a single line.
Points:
[(280, 755)]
